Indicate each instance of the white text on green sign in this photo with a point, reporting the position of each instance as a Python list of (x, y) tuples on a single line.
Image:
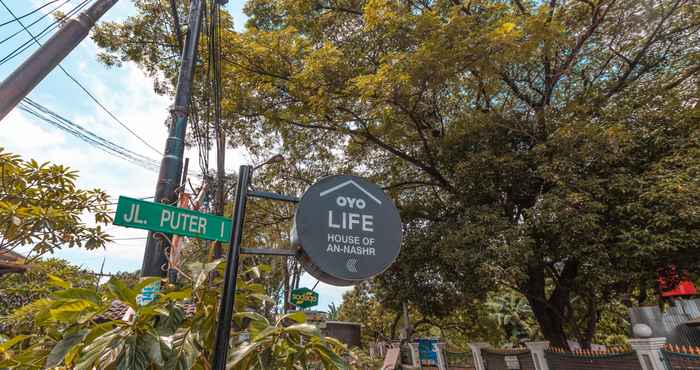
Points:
[(171, 220)]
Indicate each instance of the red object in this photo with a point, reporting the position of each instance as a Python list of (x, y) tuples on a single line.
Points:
[(684, 288), (675, 284)]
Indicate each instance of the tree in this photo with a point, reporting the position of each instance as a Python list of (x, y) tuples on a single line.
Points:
[(359, 305), (41, 207), (536, 146), (380, 323)]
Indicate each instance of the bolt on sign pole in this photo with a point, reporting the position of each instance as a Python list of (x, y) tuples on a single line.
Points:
[(154, 258), (17, 85), (228, 296)]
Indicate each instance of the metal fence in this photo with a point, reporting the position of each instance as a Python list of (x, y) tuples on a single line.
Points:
[(459, 360), (601, 360), (507, 359), (681, 357), (670, 323)]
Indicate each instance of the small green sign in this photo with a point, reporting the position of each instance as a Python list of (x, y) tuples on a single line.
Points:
[(171, 220), (303, 298)]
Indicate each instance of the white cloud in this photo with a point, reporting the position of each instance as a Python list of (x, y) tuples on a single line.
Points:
[(20, 134)]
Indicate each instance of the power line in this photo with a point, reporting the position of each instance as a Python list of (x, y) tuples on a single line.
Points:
[(87, 136), (78, 131), (20, 49), (83, 87), (28, 14)]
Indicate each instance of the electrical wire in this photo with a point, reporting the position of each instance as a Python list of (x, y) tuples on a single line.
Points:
[(55, 24), (82, 87), (87, 136), (28, 14), (35, 22), (78, 131)]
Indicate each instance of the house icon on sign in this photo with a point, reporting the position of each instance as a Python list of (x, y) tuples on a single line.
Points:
[(347, 183)]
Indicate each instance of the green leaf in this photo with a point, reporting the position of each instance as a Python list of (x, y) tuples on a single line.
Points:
[(330, 359), (178, 295), (305, 329), (251, 315), (58, 282), (106, 348), (200, 271), (267, 331), (61, 348), (262, 297), (122, 292), (78, 293), (258, 270), (153, 350), (69, 311), (184, 351), (98, 330), (244, 355), (6, 345), (298, 316)]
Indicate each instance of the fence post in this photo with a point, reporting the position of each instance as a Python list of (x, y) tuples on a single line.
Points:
[(415, 353), (537, 351), (441, 356), (476, 353), (649, 352)]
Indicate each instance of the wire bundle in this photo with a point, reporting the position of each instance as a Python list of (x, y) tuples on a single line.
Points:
[(64, 124)]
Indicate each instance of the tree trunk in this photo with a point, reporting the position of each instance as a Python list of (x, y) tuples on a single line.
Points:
[(550, 322), (550, 312), (394, 325)]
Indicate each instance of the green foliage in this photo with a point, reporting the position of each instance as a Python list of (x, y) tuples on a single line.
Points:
[(361, 306), (41, 206), (19, 290), (362, 361), (332, 312), (285, 346), (475, 323), (513, 315), (160, 335), (535, 146)]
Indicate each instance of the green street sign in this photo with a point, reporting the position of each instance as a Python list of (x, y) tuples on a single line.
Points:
[(171, 220), (303, 298)]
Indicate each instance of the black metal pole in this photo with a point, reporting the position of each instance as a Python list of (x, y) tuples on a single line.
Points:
[(154, 258), (17, 85), (228, 297)]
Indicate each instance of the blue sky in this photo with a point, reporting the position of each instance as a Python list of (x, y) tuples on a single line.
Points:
[(128, 93)]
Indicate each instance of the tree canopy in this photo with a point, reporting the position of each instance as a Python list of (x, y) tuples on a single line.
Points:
[(549, 147), (41, 207)]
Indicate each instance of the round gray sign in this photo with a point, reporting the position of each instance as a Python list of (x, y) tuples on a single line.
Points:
[(348, 230)]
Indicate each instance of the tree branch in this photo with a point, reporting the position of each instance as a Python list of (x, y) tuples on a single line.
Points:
[(622, 81), (686, 75)]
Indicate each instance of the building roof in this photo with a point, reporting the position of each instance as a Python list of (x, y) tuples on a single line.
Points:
[(12, 262)]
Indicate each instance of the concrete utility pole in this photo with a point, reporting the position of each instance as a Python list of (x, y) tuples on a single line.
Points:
[(17, 85), (154, 259)]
